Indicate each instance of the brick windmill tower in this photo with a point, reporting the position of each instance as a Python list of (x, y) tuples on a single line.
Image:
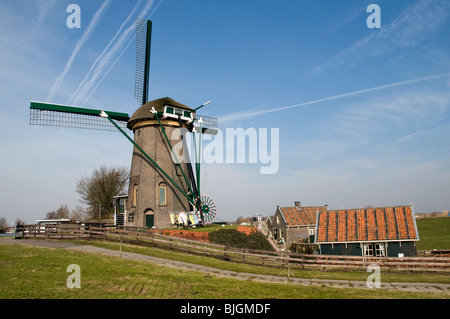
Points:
[(150, 193), (161, 181)]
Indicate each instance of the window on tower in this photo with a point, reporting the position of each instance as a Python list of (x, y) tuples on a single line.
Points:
[(135, 194), (162, 194), (178, 170)]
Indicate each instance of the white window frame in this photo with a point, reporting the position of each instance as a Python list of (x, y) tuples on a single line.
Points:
[(368, 250), (379, 250)]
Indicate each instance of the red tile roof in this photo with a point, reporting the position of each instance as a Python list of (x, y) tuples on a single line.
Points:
[(371, 224), (295, 216)]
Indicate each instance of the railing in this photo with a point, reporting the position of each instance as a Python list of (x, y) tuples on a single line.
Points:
[(153, 238)]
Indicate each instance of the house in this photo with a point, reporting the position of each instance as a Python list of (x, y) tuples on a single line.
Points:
[(294, 224), (381, 231)]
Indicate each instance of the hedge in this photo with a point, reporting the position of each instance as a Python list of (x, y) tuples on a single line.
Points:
[(234, 238)]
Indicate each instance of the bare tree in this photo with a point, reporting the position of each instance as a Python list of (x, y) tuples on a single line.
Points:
[(3, 225), (61, 212), (20, 221), (98, 190), (78, 214)]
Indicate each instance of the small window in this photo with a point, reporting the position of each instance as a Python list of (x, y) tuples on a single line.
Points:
[(379, 250), (368, 249), (376, 250), (135, 194), (178, 169), (131, 217), (162, 195)]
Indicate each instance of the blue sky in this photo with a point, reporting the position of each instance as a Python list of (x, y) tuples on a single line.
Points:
[(363, 114)]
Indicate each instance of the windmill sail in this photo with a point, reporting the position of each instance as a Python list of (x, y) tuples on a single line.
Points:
[(46, 114), (143, 49), (210, 125)]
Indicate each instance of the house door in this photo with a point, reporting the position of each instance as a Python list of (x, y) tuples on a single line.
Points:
[(149, 219)]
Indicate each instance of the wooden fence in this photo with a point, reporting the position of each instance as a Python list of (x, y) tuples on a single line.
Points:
[(256, 257)]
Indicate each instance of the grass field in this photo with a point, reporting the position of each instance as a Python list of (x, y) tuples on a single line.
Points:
[(246, 268), (434, 233), (30, 272)]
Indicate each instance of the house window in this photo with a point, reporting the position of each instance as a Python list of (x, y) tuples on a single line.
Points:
[(131, 217), (376, 250), (368, 249), (162, 194), (379, 250)]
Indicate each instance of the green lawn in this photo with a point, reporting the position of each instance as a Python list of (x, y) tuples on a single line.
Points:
[(30, 272), (434, 233), (246, 268)]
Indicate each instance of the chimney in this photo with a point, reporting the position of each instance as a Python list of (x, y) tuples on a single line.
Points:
[(298, 204)]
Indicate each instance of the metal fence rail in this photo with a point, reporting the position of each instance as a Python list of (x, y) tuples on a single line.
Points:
[(255, 257)]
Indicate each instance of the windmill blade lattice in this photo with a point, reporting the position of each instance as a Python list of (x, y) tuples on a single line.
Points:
[(205, 209), (46, 114)]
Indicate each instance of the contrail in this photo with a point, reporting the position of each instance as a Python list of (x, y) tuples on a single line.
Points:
[(86, 35), (88, 87), (74, 99), (250, 114), (118, 57)]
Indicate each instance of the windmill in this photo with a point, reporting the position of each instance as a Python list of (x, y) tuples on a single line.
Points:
[(160, 180)]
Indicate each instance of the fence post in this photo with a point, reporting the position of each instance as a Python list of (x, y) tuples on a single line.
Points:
[(288, 272), (120, 245)]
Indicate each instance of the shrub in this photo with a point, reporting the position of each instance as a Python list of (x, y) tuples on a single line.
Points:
[(235, 238)]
